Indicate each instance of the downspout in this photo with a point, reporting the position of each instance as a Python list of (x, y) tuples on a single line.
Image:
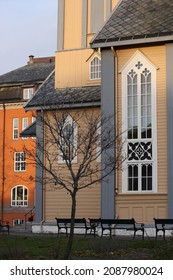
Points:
[(115, 119), (43, 135), (3, 164)]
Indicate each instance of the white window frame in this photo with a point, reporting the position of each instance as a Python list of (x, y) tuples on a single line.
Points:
[(95, 68), (133, 63), (23, 202), (19, 162), (28, 93), (15, 129), (69, 120), (24, 125)]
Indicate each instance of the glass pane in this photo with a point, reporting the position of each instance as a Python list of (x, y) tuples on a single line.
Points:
[(130, 112), (19, 193), (136, 171), (135, 79), (149, 78), (129, 80), (135, 103), (129, 90), (144, 170), (150, 170), (144, 184), (135, 188), (130, 171), (130, 101), (142, 89), (129, 184), (135, 90), (150, 184), (13, 194), (135, 111), (135, 133), (148, 88), (142, 78)]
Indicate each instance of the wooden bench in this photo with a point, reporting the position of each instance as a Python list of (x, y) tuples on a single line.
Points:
[(127, 224), (65, 223), (4, 226), (163, 225)]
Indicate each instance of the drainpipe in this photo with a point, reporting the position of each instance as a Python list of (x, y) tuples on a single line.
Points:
[(3, 164), (41, 224)]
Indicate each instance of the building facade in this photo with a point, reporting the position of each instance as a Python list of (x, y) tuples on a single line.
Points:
[(17, 180), (142, 96)]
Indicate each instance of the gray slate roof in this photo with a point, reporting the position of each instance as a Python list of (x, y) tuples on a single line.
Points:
[(47, 96), (135, 21), (28, 74)]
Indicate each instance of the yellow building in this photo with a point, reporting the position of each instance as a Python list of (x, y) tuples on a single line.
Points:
[(136, 50), (123, 49)]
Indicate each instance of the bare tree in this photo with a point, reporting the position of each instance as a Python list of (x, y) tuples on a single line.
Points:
[(78, 139)]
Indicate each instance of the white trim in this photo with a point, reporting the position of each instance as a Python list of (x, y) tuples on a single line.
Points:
[(125, 70), (15, 161), (17, 128), (28, 93), (23, 200), (90, 78)]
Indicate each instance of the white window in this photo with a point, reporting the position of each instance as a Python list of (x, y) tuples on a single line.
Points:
[(24, 125), (139, 113), (68, 141), (28, 93), (15, 129), (19, 196), (19, 161), (95, 68), (18, 222)]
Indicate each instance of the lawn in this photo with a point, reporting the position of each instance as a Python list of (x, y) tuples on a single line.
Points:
[(50, 247)]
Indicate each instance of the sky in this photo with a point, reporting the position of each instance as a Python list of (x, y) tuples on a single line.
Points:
[(27, 27)]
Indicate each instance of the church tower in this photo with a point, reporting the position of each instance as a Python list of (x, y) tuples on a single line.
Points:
[(78, 22)]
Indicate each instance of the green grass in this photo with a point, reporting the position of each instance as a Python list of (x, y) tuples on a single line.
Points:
[(52, 247)]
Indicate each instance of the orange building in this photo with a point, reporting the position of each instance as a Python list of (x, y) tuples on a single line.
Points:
[(17, 175)]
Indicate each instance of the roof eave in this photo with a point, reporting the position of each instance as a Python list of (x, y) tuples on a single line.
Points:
[(64, 106), (132, 41)]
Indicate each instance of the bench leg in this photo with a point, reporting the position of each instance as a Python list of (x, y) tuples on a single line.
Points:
[(164, 234)]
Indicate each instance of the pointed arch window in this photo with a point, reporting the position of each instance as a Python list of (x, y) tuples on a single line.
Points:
[(95, 68), (139, 113), (68, 141)]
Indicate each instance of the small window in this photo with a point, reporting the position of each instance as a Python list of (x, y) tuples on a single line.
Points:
[(17, 222), (15, 129), (24, 125), (19, 196), (27, 93), (19, 162), (95, 69)]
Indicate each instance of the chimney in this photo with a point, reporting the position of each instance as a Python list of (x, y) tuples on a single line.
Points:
[(31, 59)]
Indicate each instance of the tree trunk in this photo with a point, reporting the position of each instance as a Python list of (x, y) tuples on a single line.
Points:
[(71, 236)]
